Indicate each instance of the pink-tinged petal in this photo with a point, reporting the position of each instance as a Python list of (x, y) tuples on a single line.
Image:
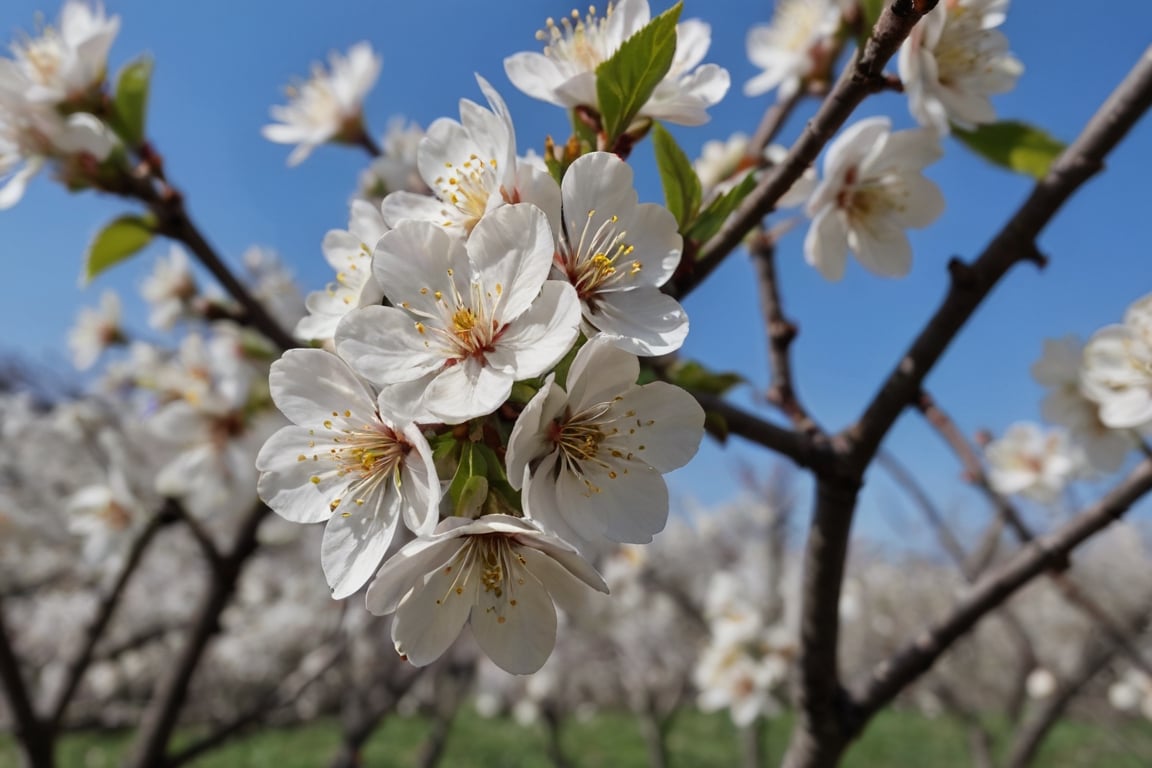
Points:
[(666, 426), (406, 569), (386, 346), (430, 617), (645, 321), (540, 337), (310, 385), (356, 539), (517, 627), (530, 439), (297, 480), (511, 255), (826, 244), (599, 372)]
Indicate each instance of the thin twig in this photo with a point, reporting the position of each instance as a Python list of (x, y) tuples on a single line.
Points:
[(34, 738)]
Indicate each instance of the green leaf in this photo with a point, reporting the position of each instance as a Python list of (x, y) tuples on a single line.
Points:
[(131, 100), (1013, 145), (120, 238), (682, 191), (464, 489), (626, 80), (717, 426), (696, 378), (713, 217)]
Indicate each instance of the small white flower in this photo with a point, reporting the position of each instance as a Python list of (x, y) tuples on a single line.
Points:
[(617, 253), (590, 459), (1132, 692), (565, 73), (1040, 684), (500, 574), (349, 252), (1117, 371), (329, 106), (344, 462), (467, 318), (791, 47), (274, 286), (64, 63), (872, 191), (472, 169), (32, 135), (724, 164), (395, 169), (1028, 461), (105, 514), (169, 289), (1059, 370), (95, 331), (954, 60)]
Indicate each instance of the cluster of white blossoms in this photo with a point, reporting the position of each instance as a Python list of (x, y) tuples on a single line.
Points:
[(746, 663), (1100, 396), (477, 395), (48, 90), (796, 45)]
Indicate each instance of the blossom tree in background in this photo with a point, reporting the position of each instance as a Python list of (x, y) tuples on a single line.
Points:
[(482, 404)]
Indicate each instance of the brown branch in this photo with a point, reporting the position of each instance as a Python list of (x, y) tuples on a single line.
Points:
[(1015, 242), (776, 438), (94, 632), (781, 333), (863, 77), (915, 658), (1072, 593), (774, 118), (171, 691), (33, 735)]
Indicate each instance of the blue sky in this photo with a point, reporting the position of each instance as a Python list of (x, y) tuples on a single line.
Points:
[(219, 66)]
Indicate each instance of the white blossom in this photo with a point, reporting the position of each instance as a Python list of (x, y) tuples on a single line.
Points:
[(1059, 370), (1031, 462), (792, 46), (953, 60), (169, 289), (349, 252), (395, 169), (95, 331), (345, 463), (591, 459), (872, 191), (472, 168), (328, 106), (1117, 370), (499, 574), (565, 73), (467, 318), (617, 253)]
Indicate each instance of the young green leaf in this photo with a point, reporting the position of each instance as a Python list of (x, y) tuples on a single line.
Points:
[(696, 378), (681, 184), (1012, 145), (625, 82), (718, 211), (118, 240), (131, 101)]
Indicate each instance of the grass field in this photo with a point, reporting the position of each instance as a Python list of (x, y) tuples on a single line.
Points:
[(894, 740)]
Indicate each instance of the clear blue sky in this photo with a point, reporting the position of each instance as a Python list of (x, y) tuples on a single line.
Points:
[(219, 66)]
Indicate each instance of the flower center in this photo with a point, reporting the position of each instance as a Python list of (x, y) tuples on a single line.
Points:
[(469, 186), (600, 259), (577, 40)]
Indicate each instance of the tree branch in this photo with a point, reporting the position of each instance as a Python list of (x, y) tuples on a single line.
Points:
[(915, 658), (1016, 242), (783, 441), (31, 733), (863, 77)]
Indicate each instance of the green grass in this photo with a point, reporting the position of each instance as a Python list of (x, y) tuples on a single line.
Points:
[(894, 740)]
